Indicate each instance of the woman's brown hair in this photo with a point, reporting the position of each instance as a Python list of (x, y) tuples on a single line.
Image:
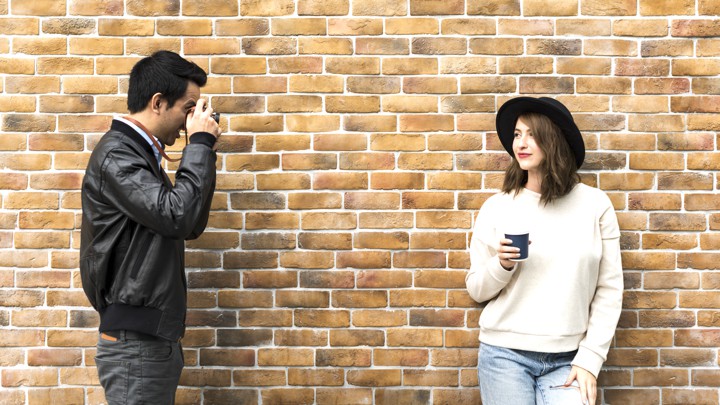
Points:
[(558, 168)]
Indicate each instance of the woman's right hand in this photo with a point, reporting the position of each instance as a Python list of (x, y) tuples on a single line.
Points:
[(506, 252)]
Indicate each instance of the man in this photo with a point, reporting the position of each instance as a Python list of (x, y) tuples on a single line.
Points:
[(134, 223)]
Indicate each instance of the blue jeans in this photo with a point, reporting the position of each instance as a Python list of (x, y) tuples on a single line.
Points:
[(520, 377), (139, 371)]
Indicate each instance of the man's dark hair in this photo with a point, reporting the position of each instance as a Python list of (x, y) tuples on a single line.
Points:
[(163, 72)]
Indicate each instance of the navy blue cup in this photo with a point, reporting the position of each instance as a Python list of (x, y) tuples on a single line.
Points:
[(520, 241)]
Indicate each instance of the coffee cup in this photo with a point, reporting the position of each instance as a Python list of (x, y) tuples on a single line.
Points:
[(519, 240)]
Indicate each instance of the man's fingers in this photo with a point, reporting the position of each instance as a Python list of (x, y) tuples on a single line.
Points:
[(200, 105)]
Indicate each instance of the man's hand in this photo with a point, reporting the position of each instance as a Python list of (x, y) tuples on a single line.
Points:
[(587, 384), (199, 120)]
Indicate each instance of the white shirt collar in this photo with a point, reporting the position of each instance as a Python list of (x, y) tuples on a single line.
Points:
[(144, 135)]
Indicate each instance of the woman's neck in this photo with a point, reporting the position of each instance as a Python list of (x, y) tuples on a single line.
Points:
[(534, 182)]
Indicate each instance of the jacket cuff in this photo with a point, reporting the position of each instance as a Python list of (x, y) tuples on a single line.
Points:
[(588, 360), (204, 138)]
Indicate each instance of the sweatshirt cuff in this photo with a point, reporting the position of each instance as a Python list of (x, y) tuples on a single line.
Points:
[(204, 138), (499, 273), (588, 360)]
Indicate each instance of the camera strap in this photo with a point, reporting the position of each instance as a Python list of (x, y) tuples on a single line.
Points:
[(152, 138)]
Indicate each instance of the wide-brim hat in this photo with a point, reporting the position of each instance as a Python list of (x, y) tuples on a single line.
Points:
[(559, 114)]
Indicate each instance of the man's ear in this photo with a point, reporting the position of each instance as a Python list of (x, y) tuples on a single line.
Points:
[(156, 102)]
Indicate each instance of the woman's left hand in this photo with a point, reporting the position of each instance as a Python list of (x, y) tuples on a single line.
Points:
[(586, 382)]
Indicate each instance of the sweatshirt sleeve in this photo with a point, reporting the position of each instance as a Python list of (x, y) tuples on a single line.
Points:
[(606, 305), (486, 277)]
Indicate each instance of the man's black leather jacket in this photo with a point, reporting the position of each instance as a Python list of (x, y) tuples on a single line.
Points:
[(134, 224)]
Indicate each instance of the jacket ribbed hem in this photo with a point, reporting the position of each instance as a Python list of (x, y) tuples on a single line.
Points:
[(150, 321)]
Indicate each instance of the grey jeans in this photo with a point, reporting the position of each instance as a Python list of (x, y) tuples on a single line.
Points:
[(139, 371)]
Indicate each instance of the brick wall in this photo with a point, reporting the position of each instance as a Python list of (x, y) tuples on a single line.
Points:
[(358, 146)]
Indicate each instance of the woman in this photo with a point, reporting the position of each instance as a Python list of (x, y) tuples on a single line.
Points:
[(549, 320)]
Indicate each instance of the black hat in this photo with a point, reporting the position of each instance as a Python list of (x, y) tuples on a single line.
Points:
[(559, 114)]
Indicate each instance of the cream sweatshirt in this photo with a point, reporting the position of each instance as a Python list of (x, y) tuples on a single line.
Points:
[(568, 294)]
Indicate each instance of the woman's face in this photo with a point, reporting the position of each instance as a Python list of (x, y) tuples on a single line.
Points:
[(527, 152)]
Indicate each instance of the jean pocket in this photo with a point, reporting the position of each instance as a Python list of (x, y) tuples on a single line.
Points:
[(114, 376), (111, 349), (157, 350)]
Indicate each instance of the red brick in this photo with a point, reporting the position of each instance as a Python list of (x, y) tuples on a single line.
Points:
[(319, 377), (649, 261), (383, 220), (300, 337), (323, 7), (213, 378), (417, 298), (414, 337), (302, 64), (306, 259), (644, 338), (419, 259), (314, 200), (707, 378), (311, 221), (667, 318), (401, 357), (338, 279), (357, 337), (266, 318), (397, 180), (375, 378), (694, 28), (654, 201), (339, 142), (343, 357), (679, 222), (441, 378), (219, 396), (647, 299), (687, 357), (280, 395), (695, 299), (690, 396), (266, 279), (227, 357), (507, 26), (632, 357)]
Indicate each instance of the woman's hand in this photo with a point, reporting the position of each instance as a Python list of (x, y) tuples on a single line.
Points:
[(587, 384), (506, 252)]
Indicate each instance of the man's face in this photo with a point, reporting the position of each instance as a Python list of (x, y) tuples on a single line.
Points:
[(172, 119)]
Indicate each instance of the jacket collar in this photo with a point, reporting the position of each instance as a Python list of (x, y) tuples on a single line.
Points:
[(126, 129), (138, 139)]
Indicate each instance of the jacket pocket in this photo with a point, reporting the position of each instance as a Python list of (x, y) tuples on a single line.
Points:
[(142, 249), (89, 277)]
